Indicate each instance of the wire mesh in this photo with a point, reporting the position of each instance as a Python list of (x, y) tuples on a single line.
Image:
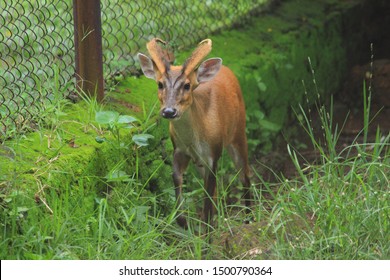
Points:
[(128, 25), (36, 44), (37, 47)]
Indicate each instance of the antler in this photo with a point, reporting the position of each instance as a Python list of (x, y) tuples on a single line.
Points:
[(158, 54), (200, 53)]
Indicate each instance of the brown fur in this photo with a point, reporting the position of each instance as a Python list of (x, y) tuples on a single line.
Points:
[(216, 117)]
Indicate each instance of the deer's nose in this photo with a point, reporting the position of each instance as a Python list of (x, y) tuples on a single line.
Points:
[(169, 113)]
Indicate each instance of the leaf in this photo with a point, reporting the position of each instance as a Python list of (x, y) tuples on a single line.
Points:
[(100, 139), (262, 86), (142, 139), (22, 209), (118, 176), (270, 125), (140, 212), (259, 115), (126, 119), (106, 117)]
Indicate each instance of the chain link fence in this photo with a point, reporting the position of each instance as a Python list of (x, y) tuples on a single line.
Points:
[(37, 45)]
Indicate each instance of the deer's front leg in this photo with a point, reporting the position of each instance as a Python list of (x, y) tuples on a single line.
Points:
[(210, 184), (180, 163)]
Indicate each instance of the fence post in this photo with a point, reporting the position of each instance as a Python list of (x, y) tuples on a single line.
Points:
[(88, 47)]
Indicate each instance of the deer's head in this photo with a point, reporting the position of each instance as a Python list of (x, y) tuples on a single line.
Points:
[(177, 83)]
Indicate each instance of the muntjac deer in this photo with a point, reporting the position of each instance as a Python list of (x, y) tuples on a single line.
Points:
[(204, 104)]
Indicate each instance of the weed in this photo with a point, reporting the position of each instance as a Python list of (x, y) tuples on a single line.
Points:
[(115, 123)]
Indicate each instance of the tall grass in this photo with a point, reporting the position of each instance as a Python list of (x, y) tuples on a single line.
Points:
[(85, 225), (337, 207)]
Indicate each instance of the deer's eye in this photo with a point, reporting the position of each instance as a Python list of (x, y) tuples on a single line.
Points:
[(187, 86), (160, 85)]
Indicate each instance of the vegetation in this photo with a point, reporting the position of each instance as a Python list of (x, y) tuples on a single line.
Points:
[(337, 208), (93, 183)]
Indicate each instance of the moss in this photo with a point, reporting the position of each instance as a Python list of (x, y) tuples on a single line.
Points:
[(136, 95)]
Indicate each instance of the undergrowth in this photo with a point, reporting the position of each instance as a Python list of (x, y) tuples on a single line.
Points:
[(334, 208), (338, 206)]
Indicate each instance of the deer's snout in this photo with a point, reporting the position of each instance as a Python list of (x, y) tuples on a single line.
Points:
[(169, 113)]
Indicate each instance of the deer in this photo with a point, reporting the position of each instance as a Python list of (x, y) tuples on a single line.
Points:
[(204, 105)]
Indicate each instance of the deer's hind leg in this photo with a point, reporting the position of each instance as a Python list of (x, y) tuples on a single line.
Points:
[(239, 154)]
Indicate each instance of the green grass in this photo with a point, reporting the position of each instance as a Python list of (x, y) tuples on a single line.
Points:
[(337, 208), (82, 226)]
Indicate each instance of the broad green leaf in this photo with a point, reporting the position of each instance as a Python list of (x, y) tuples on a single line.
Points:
[(258, 114), (100, 139), (262, 86), (142, 139), (106, 117), (270, 125), (140, 212), (22, 209), (118, 176), (126, 119)]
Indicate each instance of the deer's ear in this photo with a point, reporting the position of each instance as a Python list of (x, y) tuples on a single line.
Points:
[(147, 66), (208, 69)]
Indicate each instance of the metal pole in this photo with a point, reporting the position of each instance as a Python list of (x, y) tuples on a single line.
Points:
[(88, 47)]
